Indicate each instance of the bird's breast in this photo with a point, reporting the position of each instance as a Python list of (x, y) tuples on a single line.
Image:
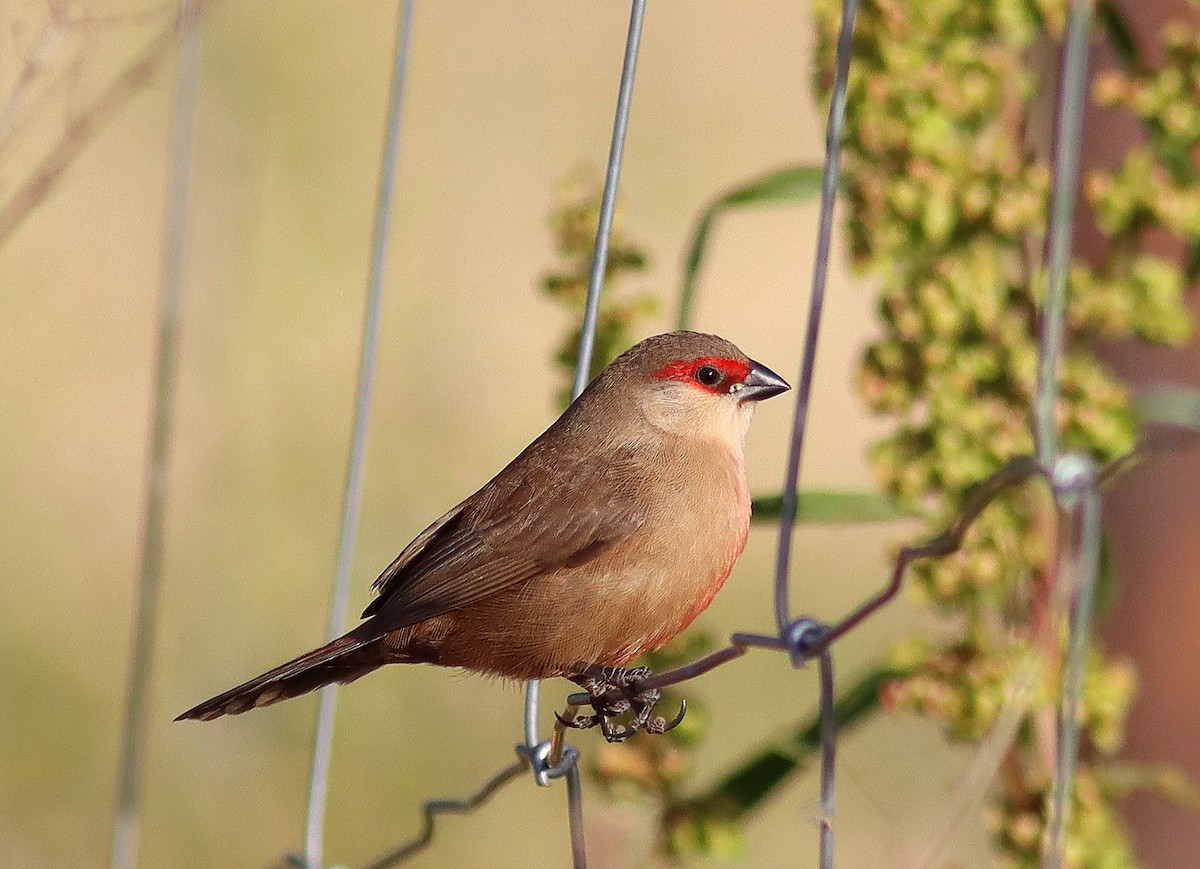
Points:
[(685, 551), (630, 597)]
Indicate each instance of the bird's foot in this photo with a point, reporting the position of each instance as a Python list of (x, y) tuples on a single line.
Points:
[(613, 692)]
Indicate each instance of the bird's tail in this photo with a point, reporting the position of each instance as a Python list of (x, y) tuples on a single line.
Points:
[(343, 660)]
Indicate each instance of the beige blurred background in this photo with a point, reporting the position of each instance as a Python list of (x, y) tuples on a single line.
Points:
[(503, 100)]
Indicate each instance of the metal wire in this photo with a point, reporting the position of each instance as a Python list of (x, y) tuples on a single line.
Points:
[(828, 757), (1068, 136), (1073, 477), (608, 203), (535, 753), (124, 848), (575, 813), (1076, 489), (433, 808), (829, 184), (591, 314), (318, 788)]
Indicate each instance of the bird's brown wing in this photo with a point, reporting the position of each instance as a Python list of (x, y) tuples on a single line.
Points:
[(411, 552), (530, 520)]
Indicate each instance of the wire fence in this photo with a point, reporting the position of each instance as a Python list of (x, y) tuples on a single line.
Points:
[(1073, 478)]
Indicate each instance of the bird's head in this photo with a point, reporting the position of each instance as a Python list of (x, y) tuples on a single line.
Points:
[(697, 384)]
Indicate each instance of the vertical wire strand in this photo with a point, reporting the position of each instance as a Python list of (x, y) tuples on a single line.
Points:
[(318, 788), (1068, 135), (575, 813), (828, 729), (608, 203), (130, 767), (591, 314), (829, 186), (1082, 557), (787, 517), (533, 692), (1075, 483)]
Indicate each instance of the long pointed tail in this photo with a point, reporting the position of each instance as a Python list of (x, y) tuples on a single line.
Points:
[(343, 660)]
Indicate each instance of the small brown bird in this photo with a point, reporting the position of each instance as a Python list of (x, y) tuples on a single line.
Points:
[(604, 539)]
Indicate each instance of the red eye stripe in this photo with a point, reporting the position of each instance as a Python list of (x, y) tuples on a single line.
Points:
[(684, 370)]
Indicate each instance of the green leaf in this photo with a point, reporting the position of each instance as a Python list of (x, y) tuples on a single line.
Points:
[(822, 506), (791, 184), (1166, 781), (1173, 406), (1119, 34), (1107, 585)]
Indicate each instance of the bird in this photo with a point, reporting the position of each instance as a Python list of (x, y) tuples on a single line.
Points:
[(605, 538)]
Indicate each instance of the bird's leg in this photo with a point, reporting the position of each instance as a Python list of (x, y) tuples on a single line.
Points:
[(601, 682)]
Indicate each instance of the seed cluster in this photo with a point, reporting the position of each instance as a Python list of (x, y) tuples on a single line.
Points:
[(946, 205), (623, 312)]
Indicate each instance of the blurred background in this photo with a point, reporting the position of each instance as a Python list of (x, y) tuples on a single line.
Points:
[(503, 101)]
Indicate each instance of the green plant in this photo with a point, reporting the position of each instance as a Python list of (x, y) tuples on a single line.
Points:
[(623, 313), (946, 205), (946, 202)]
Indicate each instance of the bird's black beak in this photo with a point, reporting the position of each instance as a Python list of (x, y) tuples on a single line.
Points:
[(761, 383)]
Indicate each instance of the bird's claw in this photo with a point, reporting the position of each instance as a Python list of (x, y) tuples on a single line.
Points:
[(579, 722), (600, 683), (658, 724)]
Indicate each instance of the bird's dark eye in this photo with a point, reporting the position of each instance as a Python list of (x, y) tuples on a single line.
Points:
[(708, 375)]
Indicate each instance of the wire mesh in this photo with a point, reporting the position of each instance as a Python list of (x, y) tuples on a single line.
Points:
[(130, 766), (1075, 488), (829, 186), (1073, 478)]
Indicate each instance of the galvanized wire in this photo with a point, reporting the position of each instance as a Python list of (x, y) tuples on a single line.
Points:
[(1075, 488), (130, 766), (575, 815), (1068, 137), (1073, 478), (829, 185), (318, 789), (828, 718), (608, 202), (433, 808), (591, 314)]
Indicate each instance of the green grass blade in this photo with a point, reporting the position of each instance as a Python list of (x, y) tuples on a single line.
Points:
[(790, 184), (834, 508)]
